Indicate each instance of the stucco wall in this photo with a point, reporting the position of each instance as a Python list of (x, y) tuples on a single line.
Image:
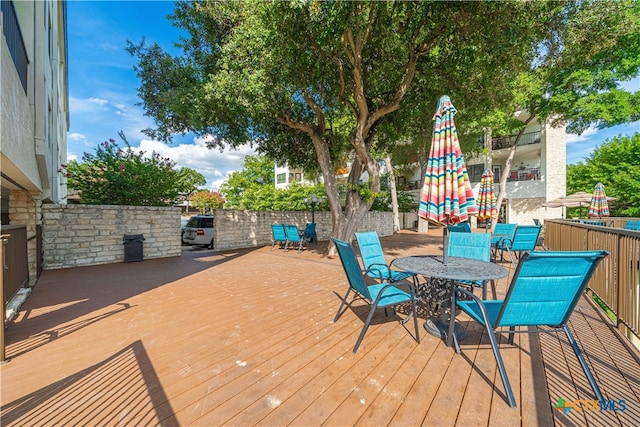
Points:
[(77, 235)]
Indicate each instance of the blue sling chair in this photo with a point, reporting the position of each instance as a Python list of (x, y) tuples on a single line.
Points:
[(473, 246), (544, 291), (380, 295), (293, 237), (278, 235), (524, 239), (374, 261)]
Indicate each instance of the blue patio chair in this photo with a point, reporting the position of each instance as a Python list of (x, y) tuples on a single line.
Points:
[(380, 295), (473, 246), (524, 240), (463, 227), (632, 225), (544, 291), (278, 235), (374, 261), (293, 237), (310, 233)]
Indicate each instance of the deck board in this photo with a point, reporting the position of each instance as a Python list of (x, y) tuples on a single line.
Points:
[(247, 338)]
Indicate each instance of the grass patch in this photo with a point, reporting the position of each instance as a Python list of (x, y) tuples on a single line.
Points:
[(604, 307)]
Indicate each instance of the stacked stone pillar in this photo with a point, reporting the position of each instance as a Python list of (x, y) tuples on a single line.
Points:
[(25, 208)]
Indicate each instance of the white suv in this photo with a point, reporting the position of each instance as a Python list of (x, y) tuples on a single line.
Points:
[(199, 231)]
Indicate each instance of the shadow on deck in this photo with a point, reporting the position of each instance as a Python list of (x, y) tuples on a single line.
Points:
[(246, 338)]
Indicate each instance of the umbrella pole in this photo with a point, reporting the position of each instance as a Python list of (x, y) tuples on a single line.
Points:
[(444, 244)]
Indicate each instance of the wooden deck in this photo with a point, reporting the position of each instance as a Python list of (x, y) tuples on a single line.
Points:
[(246, 338)]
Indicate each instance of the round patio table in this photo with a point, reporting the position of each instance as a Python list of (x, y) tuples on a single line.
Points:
[(455, 269)]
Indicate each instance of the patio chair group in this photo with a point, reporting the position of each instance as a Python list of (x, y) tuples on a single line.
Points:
[(286, 234), (544, 290)]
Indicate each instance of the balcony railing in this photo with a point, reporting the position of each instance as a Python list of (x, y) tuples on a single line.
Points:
[(15, 42), (501, 142)]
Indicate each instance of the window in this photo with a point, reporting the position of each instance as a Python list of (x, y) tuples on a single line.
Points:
[(497, 171), (298, 176), (281, 178), (475, 172)]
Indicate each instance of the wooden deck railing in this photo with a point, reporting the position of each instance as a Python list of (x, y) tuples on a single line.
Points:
[(616, 282), (16, 268)]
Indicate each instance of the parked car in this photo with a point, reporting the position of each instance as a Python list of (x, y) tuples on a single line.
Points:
[(199, 231), (183, 225)]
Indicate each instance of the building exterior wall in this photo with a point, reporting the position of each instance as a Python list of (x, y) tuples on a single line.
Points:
[(80, 235), (34, 117)]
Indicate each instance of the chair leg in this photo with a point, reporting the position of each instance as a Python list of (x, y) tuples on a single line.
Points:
[(510, 253), (503, 372), (364, 328), (342, 303), (511, 334), (583, 363)]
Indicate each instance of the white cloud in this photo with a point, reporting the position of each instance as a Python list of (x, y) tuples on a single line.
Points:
[(211, 163), (98, 101), (75, 136), (573, 138)]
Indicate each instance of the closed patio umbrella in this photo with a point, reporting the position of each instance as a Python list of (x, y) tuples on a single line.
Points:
[(599, 206), (486, 197), (446, 196)]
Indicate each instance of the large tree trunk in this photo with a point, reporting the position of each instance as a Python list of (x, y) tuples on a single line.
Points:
[(394, 195)]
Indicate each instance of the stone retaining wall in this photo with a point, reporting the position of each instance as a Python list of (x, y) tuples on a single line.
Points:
[(244, 229), (76, 235)]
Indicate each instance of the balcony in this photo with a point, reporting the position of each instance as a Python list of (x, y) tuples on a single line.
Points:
[(501, 142), (246, 338), (524, 174)]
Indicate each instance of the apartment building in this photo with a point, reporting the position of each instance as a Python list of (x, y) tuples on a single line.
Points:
[(34, 116), (537, 173)]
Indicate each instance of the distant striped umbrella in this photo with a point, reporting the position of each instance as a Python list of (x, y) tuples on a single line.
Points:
[(446, 196), (599, 206), (487, 197)]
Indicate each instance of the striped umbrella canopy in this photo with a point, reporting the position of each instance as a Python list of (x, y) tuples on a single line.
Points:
[(446, 196), (599, 206), (487, 197)]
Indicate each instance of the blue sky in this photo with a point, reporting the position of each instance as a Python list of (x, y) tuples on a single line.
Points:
[(103, 96)]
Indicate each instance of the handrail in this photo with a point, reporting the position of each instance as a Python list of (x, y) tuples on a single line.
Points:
[(616, 281), (4, 239)]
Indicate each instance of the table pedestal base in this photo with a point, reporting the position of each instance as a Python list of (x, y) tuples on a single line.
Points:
[(440, 328)]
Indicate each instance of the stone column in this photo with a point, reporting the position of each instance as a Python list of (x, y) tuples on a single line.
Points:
[(25, 208)]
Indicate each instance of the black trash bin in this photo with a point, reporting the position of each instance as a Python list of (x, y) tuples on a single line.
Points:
[(133, 247)]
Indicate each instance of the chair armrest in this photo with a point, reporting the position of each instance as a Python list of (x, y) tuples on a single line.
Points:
[(395, 284), (477, 300), (375, 270)]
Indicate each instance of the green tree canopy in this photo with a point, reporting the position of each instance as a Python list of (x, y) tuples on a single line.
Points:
[(313, 83), (116, 176), (189, 181), (615, 163), (207, 201)]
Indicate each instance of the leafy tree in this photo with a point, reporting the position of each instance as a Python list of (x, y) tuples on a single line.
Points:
[(577, 80), (116, 176), (207, 201), (312, 82), (615, 163), (189, 180), (257, 171)]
